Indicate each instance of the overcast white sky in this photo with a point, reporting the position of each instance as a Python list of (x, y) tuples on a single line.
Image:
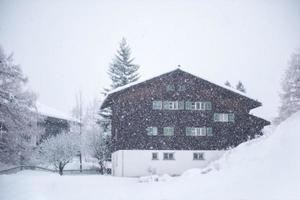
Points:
[(66, 46)]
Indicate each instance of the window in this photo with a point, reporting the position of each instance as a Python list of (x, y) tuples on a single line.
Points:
[(198, 105), (198, 131), (173, 105), (198, 156), (224, 117), (157, 105), (154, 156), (181, 88), (168, 131), (170, 88), (152, 130), (169, 156)]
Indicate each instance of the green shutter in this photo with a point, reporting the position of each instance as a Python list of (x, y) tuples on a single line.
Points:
[(231, 117), (188, 131), (188, 105), (207, 105), (166, 105), (180, 105), (209, 131), (149, 131), (216, 117)]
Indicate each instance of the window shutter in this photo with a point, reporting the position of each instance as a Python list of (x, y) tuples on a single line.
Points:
[(188, 105), (216, 117), (231, 117), (209, 131), (166, 105), (180, 105), (207, 105), (188, 131)]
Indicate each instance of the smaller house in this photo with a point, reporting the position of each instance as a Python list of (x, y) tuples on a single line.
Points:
[(54, 121)]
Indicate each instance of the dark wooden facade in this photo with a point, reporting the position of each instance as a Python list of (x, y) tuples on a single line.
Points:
[(132, 113), (54, 126)]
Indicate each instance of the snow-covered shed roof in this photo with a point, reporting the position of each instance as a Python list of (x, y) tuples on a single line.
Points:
[(52, 112), (119, 89)]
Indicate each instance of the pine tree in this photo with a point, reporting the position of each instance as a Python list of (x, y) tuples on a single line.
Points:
[(290, 96), (240, 86), (227, 83), (17, 119), (122, 71)]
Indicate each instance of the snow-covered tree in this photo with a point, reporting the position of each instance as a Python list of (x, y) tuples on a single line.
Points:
[(290, 96), (59, 150), (240, 86), (96, 142), (121, 71), (99, 148), (16, 113)]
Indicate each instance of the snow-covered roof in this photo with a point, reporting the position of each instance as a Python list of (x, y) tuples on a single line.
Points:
[(52, 112), (206, 79)]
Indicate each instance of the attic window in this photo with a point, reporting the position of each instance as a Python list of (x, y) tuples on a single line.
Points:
[(181, 88), (170, 88)]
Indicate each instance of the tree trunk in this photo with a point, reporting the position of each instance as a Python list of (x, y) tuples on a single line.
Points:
[(101, 167), (60, 168)]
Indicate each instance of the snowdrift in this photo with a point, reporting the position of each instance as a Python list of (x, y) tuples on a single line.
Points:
[(264, 168)]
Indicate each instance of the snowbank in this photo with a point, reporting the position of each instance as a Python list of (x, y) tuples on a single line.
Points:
[(265, 168)]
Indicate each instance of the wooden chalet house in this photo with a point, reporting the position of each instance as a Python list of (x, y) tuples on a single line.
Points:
[(176, 121)]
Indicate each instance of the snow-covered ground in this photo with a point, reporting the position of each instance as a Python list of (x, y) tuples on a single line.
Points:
[(265, 168)]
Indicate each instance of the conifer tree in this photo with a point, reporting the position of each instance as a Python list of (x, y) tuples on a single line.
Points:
[(290, 96), (122, 71), (240, 86), (17, 120)]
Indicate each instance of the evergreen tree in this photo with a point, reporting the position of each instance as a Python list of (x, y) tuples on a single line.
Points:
[(227, 83), (240, 86), (17, 117), (121, 71), (290, 96)]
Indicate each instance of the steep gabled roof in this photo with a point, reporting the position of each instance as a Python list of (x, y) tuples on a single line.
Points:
[(51, 112), (111, 94)]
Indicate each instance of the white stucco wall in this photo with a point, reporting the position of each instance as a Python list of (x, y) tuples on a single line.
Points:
[(133, 163)]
